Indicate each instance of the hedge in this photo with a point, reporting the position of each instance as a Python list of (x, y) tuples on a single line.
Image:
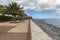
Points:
[(5, 18)]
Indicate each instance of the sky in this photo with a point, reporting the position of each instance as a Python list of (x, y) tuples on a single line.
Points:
[(38, 9)]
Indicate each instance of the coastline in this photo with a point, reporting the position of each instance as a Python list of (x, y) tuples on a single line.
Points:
[(42, 21), (49, 29)]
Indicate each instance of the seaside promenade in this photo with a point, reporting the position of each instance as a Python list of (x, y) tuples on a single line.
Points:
[(22, 31), (37, 33)]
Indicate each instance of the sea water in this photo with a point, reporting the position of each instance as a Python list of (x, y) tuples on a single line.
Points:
[(54, 22)]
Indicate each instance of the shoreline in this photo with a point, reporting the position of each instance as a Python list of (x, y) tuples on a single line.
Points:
[(49, 29), (42, 21)]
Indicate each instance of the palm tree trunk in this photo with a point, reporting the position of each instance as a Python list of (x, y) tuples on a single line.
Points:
[(14, 17)]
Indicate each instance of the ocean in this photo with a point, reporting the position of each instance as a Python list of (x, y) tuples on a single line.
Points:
[(53, 22)]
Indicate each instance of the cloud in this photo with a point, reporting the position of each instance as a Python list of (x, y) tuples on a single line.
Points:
[(49, 5), (38, 5)]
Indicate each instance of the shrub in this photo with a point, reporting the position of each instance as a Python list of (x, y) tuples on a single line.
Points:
[(5, 18)]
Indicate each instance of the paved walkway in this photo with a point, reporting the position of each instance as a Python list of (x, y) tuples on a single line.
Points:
[(21, 28), (14, 31), (8, 27), (18, 28), (5, 26), (37, 33)]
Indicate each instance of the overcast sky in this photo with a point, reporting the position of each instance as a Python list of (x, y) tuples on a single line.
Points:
[(38, 8)]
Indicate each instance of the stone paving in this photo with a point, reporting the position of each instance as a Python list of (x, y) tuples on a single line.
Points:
[(21, 28), (37, 33), (14, 31), (5, 26), (21, 31)]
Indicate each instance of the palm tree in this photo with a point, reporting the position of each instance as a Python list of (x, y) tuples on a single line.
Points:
[(22, 14), (1, 9), (13, 9)]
